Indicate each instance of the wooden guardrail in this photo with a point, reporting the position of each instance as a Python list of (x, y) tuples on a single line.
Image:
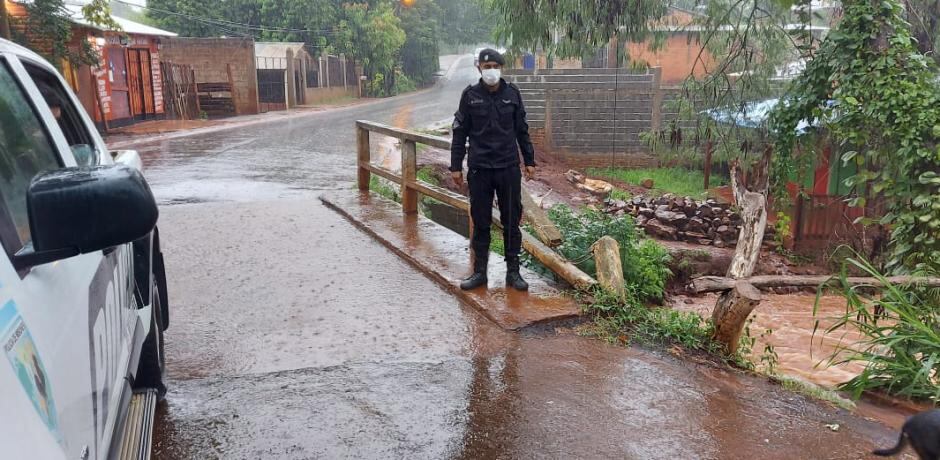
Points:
[(412, 187)]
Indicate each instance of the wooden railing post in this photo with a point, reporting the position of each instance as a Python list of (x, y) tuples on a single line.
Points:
[(364, 157), (409, 174)]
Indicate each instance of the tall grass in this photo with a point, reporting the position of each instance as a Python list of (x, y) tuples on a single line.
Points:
[(900, 347), (644, 261), (678, 181)]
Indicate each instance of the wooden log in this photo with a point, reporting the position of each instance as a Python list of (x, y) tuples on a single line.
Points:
[(551, 259), (721, 284), (556, 263), (545, 229), (609, 267), (731, 313)]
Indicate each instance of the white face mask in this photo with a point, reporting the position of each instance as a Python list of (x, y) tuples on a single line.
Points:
[(491, 76)]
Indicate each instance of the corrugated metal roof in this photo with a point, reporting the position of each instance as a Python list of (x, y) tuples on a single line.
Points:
[(277, 49), (127, 26)]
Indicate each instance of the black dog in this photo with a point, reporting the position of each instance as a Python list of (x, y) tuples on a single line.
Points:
[(922, 431)]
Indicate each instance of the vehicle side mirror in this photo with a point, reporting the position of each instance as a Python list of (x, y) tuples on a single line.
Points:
[(79, 210)]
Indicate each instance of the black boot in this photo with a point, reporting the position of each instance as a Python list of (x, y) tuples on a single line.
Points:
[(513, 278), (478, 278)]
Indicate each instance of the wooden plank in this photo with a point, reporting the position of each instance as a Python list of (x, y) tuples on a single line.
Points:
[(442, 194), (382, 172), (409, 171), (404, 134), (545, 229), (364, 157)]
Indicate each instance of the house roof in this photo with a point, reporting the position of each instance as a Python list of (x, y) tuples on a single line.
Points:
[(127, 26), (752, 115), (277, 49)]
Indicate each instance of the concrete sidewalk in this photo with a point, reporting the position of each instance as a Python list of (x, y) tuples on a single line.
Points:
[(443, 256)]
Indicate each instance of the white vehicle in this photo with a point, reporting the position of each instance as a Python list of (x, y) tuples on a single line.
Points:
[(82, 286)]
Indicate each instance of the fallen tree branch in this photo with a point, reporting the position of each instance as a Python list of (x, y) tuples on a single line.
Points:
[(722, 284)]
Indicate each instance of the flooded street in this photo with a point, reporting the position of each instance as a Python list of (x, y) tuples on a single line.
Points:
[(294, 335)]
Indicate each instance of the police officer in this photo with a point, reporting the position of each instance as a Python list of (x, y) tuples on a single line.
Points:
[(492, 116)]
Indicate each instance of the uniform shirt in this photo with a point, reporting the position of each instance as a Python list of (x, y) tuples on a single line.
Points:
[(496, 125)]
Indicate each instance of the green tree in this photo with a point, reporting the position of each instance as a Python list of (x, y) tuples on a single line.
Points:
[(373, 36), (572, 28), (466, 22), (875, 92), (419, 54), (189, 18)]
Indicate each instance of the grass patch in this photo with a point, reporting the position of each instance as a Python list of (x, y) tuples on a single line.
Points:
[(384, 188), (678, 181), (426, 174), (814, 391), (620, 194), (496, 241), (625, 320)]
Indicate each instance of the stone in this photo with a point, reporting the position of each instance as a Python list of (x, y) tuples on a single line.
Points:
[(718, 243), (646, 212), (695, 235), (696, 224), (638, 201), (705, 211), (641, 220), (660, 230), (647, 183)]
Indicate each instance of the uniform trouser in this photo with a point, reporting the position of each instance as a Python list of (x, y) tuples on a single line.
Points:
[(506, 184)]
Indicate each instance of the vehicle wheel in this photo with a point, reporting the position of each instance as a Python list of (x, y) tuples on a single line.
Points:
[(152, 367), (159, 274)]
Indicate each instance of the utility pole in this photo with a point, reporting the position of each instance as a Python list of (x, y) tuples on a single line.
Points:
[(4, 24)]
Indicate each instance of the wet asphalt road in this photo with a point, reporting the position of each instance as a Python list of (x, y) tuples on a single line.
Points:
[(293, 335)]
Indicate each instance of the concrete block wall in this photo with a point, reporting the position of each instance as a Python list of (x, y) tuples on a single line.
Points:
[(209, 57), (592, 117)]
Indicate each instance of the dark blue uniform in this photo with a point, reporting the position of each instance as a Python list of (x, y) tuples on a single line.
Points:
[(495, 123)]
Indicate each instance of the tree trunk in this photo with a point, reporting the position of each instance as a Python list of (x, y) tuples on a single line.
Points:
[(731, 314), (609, 267), (721, 284), (734, 306)]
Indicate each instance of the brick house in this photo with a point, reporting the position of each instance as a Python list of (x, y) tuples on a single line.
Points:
[(126, 85)]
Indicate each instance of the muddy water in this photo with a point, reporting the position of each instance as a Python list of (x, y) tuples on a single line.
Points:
[(791, 319)]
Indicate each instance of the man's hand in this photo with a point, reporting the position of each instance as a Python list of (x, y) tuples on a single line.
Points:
[(529, 172), (458, 177)]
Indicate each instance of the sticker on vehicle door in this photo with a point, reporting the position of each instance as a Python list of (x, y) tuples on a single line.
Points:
[(20, 349)]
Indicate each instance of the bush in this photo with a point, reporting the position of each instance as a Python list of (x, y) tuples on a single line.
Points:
[(403, 84), (644, 261), (901, 336), (627, 320)]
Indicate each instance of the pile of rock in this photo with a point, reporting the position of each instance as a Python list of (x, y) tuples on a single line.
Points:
[(669, 217)]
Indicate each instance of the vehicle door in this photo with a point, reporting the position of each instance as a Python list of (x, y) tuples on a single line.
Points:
[(71, 321)]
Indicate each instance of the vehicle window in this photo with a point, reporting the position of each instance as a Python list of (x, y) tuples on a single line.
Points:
[(66, 114), (25, 150)]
